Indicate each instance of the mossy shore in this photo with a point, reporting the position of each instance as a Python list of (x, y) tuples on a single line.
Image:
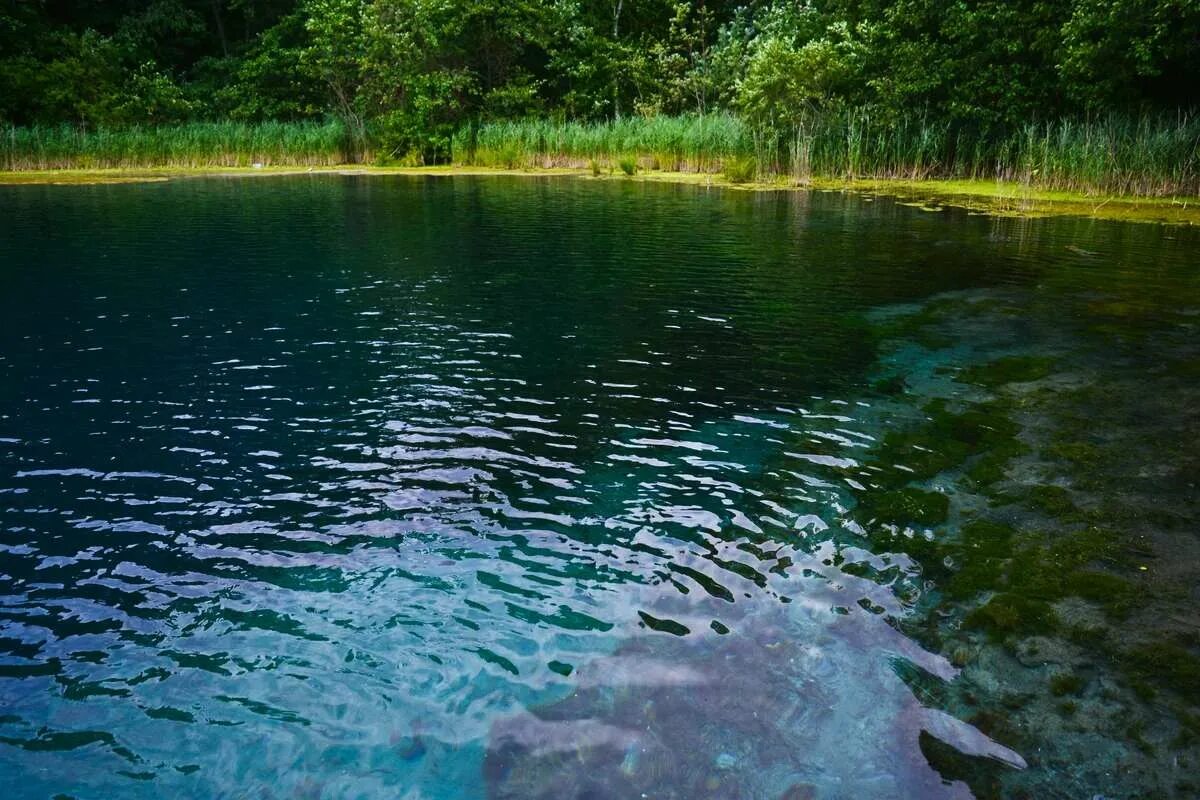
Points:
[(980, 196)]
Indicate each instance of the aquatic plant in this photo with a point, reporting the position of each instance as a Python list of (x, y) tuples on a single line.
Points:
[(1149, 154), (1064, 683), (191, 145), (740, 170), (1152, 155)]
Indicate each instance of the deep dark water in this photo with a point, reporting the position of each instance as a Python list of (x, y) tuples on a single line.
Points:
[(434, 488)]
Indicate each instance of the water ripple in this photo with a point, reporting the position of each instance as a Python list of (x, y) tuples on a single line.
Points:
[(462, 489)]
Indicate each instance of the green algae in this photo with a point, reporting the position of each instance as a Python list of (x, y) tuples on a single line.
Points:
[(561, 668), (1053, 501), (992, 467), (921, 454), (1065, 515), (1011, 613), (983, 549), (1115, 595), (906, 506), (1006, 370), (1166, 664), (947, 439), (890, 386), (1064, 683)]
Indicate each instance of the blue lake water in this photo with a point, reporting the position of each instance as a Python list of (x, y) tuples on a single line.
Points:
[(357, 487)]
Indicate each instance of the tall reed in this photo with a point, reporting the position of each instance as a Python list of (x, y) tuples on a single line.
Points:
[(191, 145), (1150, 155), (688, 143)]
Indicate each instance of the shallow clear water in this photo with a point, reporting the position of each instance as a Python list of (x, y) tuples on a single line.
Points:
[(462, 488)]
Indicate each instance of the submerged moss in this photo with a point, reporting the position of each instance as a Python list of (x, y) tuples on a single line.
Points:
[(1064, 683), (890, 386), (947, 439), (923, 454), (1115, 595), (1009, 369), (992, 467), (1054, 501), (1011, 613), (1167, 664), (906, 506), (982, 549)]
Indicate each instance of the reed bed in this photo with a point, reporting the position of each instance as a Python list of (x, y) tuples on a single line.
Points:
[(192, 145), (685, 143), (1150, 155)]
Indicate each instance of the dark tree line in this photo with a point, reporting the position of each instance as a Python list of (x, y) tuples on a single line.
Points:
[(412, 69)]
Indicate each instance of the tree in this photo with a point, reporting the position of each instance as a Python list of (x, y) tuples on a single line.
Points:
[(1132, 52), (336, 53), (433, 65)]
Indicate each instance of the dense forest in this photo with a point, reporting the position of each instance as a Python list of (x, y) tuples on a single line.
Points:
[(410, 76)]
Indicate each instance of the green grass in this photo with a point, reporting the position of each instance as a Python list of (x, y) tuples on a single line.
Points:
[(1149, 155), (1124, 156), (193, 145), (689, 143), (740, 170)]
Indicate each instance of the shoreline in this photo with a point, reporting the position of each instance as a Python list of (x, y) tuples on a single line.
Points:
[(976, 196)]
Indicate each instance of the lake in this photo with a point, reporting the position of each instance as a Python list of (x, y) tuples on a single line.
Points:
[(451, 487)]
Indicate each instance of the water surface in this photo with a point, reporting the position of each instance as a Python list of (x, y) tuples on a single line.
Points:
[(464, 488)]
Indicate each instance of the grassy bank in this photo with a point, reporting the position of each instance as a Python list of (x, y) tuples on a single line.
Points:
[(1148, 156), (190, 146), (981, 196)]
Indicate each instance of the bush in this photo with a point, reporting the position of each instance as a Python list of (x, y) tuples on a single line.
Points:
[(628, 164)]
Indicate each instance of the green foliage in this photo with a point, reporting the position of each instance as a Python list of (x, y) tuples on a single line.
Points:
[(197, 144), (783, 82), (689, 142), (740, 170), (1130, 52), (1080, 95), (628, 164)]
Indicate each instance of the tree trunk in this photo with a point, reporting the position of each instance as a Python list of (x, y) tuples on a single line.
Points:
[(216, 9), (616, 89)]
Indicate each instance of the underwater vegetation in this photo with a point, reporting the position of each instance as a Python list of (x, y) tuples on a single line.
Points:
[(1054, 558)]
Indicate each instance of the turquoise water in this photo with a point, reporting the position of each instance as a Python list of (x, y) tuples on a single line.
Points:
[(339, 487)]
